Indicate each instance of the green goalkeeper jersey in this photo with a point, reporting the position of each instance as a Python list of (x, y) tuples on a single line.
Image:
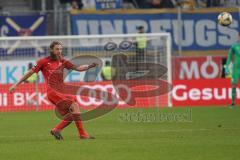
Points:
[(234, 53)]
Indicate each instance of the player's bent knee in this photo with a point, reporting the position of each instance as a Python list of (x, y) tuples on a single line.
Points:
[(76, 116), (74, 108)]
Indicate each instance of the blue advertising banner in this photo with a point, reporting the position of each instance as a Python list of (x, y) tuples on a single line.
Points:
[(200, 31), (108, 4), (34, 25), (22, 25)]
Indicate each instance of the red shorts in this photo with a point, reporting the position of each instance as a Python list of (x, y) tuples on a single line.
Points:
[(61, 101)]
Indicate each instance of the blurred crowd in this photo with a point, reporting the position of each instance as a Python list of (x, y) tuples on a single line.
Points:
[(70, 5), (184, 3), (153, 4)]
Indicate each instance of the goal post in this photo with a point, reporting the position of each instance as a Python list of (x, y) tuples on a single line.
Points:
[(138, 48)]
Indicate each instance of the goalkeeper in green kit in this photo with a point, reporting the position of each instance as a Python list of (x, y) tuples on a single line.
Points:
[(234, 54)]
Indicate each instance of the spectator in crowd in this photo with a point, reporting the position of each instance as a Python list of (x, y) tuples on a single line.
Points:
[(34, 77), (73, 5), (155, 3), (200, 3), (186, 4), (144, 4), (231, 3), (130, 4), (213, 3), (89, 4), (141, 44), (162, 4), (108, 72)]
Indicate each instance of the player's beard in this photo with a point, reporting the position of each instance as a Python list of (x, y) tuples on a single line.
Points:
[(55, 57)]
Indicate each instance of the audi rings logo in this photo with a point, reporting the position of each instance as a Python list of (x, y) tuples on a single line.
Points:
[(110, 46), (104, 98), (125, 45)]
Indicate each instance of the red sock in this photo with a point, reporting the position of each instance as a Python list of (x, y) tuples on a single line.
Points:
[(64, 123), (80, 128), (79, 124)]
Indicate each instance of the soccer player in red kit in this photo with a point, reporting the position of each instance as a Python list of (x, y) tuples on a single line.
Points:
[(67, 106)]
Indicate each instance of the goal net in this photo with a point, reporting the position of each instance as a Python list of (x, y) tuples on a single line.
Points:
[(133, 58)]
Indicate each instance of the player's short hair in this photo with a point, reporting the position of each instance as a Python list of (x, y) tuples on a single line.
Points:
[(54, 43)]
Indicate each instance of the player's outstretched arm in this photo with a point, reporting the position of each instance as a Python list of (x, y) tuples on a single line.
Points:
[(24, 77), (85, 67)]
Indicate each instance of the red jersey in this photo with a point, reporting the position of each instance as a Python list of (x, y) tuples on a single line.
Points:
[(53, 74), (52, 69)]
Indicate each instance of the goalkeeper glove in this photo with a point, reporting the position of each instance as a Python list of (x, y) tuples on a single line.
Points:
[(226, 71)]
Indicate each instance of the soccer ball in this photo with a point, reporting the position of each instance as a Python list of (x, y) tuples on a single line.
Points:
[(225, 19)]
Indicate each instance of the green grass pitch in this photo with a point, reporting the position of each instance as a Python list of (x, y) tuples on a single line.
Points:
[(209, 134)]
